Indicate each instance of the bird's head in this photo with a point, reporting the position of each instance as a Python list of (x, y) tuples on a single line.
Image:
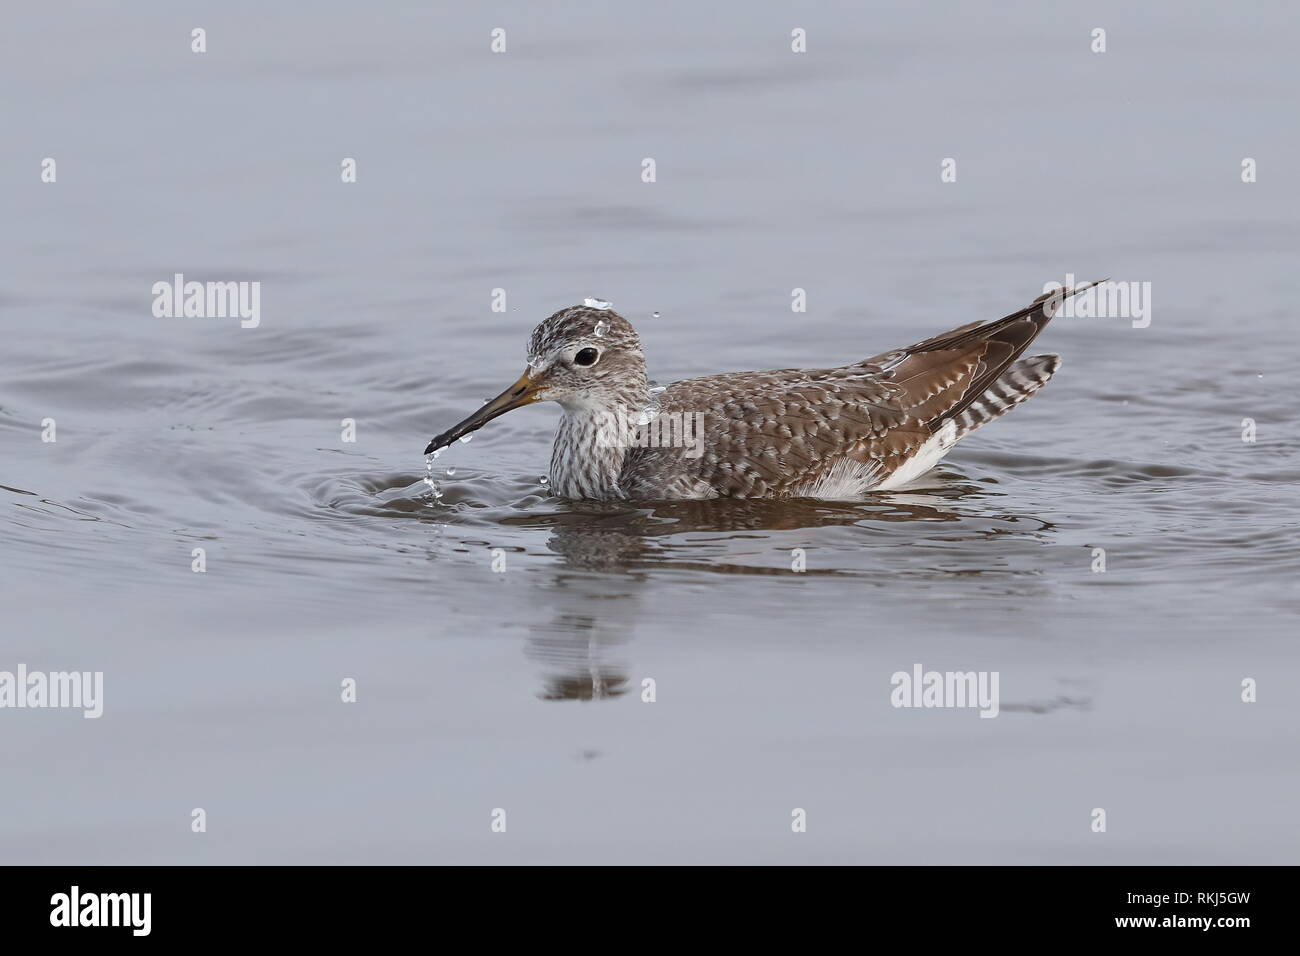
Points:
[(586, 357)]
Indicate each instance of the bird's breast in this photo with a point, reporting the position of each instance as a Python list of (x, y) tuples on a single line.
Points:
[(587, 458)]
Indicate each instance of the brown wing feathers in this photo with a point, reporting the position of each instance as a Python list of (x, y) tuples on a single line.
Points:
[(943, 376), (776, 432)]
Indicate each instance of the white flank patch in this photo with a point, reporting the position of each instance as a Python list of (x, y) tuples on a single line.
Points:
[(926, 457), (846, 478)]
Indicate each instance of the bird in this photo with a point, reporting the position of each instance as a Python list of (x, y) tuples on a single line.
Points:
[(829, 433)]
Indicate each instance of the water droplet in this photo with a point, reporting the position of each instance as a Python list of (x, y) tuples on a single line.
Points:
[(437, 452), (450, 471), (428, 475), (543, 481), (655, 314), (601, 327), (466, 438), (593, 303)]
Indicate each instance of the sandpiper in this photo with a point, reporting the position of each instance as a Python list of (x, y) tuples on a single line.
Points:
[(786, 433)]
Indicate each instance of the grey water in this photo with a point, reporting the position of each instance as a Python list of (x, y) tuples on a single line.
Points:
[(502, 641)]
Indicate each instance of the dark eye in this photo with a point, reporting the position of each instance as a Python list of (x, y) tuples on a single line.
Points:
[(586, 357)]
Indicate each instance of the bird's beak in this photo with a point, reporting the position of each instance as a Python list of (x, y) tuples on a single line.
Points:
[(522, 392)]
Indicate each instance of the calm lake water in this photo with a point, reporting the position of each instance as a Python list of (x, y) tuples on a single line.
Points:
[(522, 690)]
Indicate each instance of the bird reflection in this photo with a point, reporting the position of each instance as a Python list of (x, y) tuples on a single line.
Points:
[(625, 536), (582, 621), (573, 652)]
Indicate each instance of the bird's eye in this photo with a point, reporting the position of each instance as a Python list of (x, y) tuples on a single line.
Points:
[(586, 357)]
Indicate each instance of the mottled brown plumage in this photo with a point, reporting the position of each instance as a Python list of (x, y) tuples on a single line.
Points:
[(830, 433)]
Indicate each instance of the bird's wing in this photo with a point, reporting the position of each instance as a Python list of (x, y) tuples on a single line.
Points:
[(763, 432), (770, 433)]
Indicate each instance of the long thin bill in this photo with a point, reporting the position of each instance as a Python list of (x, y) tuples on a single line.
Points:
[(517, 395)]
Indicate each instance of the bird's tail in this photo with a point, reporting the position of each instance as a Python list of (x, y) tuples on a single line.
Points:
[(1020, 380)]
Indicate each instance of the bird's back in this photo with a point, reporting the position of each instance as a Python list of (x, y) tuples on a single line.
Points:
[(839, 431)]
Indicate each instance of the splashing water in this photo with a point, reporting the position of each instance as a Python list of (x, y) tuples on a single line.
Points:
[(593, 303), (648, 414), (434, 490)]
